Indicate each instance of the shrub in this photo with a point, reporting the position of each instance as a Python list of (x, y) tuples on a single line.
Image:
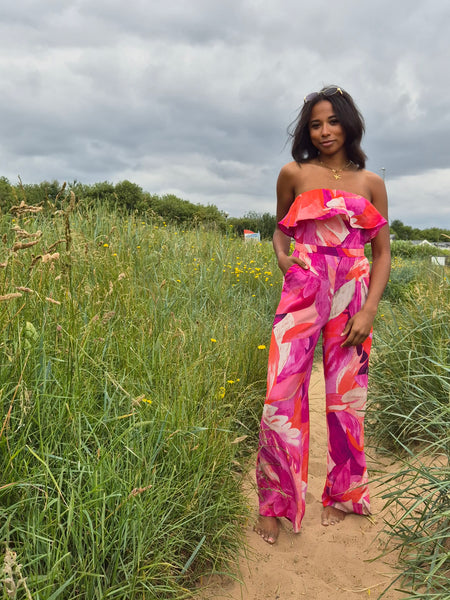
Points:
[(264, 223)]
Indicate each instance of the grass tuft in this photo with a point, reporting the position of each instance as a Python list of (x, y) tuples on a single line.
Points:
[(409, 415)]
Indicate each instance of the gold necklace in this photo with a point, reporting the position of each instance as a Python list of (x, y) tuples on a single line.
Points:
[(336, 172)]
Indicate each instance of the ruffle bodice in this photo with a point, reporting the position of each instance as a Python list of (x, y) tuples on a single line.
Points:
[(332, 218)]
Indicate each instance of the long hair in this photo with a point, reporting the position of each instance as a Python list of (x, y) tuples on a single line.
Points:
[(349, 117)]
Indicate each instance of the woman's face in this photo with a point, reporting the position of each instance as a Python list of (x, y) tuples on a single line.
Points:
[(325, 131)]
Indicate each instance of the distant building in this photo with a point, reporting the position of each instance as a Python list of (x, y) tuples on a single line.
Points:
[(251, 235)]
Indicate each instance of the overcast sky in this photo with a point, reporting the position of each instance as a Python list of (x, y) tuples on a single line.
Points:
[(193, 97)]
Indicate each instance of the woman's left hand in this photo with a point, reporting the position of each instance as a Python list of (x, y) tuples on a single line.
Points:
[(358, 328)]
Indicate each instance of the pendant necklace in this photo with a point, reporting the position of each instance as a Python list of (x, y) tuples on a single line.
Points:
[(336, 172)]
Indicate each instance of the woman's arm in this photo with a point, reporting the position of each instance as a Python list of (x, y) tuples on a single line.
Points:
[(359, 326), (285, 197)]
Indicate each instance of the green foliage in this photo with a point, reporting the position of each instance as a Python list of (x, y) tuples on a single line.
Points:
[(405, 274), (44, 193), (420, 525), (406, 232), (175, 210), (96, 195), (129, 196), (411, 364), (408, 250), (405, 250), (129, 364), (7, 197), (409, 264), (409, 414), (264, 223), (124, 196)]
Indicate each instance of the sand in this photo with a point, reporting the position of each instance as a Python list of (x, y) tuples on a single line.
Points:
[(337, 562)]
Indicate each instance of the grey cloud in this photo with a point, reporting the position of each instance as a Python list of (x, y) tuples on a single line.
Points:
[(196, 96)]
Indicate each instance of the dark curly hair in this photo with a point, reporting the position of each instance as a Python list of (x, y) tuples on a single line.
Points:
[(349, 117)]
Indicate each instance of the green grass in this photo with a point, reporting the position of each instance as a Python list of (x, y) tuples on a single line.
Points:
[(410, 374), (409, 416), (127, 370), (419, 523)]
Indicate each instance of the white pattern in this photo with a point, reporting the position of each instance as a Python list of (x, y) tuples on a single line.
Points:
[(354, 399), (332, 231), (281, 425), (337, 202), (279, 330), (342, 298)]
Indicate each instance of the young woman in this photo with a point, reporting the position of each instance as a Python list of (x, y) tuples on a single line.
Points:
[(331, 206)]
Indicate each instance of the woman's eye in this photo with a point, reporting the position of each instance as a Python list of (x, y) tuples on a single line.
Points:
[(334, 122)]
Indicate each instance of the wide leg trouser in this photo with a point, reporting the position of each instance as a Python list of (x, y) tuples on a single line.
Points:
[(314, 301)]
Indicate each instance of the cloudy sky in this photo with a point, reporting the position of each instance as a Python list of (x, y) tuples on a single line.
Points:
[(193, 97)]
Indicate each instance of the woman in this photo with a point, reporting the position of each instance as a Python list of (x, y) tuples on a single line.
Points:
[(332, 206)]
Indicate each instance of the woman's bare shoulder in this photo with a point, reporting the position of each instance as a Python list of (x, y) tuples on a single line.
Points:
[(290, 169), (376, 191), (371, 179), (371, 183), (295, 173), (287, 184)]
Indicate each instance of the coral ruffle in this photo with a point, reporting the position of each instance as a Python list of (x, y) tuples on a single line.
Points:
[(322, 204)]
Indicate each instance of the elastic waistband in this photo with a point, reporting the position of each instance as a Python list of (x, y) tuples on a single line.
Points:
[(334, 251)]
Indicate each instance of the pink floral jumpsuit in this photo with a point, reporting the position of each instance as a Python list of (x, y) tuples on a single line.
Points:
[(330, 228)]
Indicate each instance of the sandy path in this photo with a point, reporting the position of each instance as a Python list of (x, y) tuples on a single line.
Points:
[(320, 563)]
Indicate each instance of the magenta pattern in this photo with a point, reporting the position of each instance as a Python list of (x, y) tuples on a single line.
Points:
[(330, 228)]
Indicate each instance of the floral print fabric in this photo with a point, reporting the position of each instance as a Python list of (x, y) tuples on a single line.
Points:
[(330, 228)]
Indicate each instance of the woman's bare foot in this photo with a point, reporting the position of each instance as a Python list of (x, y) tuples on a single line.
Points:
[(268, 528), (332, 515)]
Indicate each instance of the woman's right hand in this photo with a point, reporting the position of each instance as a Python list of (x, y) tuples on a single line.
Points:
[(285, 262)]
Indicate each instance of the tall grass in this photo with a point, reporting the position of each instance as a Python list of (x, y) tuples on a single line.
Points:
[(132, 361), (410, 375), (410, 416)]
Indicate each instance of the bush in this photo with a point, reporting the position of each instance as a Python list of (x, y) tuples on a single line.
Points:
[(175, 210), (409, 250), (7, 195), (264, 223)]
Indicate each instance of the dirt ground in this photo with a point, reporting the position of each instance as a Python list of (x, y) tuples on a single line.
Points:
[(339, 562)]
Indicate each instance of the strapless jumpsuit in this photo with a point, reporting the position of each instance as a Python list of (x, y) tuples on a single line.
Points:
[(330, 228)]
